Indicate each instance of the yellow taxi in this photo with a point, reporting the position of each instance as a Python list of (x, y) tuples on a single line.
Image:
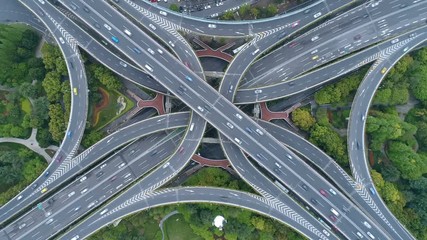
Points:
[(44, 190), (315, 57), (383, 70), (75, 91)]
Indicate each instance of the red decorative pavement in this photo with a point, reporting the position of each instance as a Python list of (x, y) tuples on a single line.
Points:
[(223, 163), (268, 115), (217, 53), (156, 103)]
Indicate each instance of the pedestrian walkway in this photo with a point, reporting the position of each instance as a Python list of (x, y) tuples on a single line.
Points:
[(223, 163), (216, 53), (156, 103), (30, 143), (268, 115)]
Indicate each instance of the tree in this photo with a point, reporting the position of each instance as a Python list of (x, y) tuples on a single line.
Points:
[(174, 7), (271, 10), (228, 15), (382, 127), (39, 112), (390, 173), (255, 12), (56, 124), (410, 164), (52, 86), (106, 77), (419, 83), (30, 39), (28, 90), (303, 119), (330, 142), (92, 138)]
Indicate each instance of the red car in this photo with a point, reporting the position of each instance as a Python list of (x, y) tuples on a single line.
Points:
[(333, 218), (323, 192), (293, 44), (181, 149), (294, 24), (59, 159)]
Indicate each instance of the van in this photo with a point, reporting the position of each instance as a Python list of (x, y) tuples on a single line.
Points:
[(127, 32), (148, 68), (335, 212), (238, 140), (255, 52), (191, 127)]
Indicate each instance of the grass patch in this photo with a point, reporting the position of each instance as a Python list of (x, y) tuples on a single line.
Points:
[(8, 146), (26, 105), (152, 230), (340, 118), (108, 114), (176, 228)]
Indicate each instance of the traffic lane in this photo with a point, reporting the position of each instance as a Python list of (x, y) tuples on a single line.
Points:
[(250, 174), (183, 195), (170, 86), (227, 28), (367, 89), (94, 195), (311, 79), (293, 181), (312, 154), (366, 35), (105, 56), (66, 145), (181, 48), (120, 137)]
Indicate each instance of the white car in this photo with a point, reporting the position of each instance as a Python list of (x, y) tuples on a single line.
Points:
[(103, 211), (107, 27), (49, 221), (122, 165), (212, 26), (150, 51), (238, 140), (332, 191), (160, 51), (238, 116), (71, 194), (83, 178), (148, 68), (259, 131), (171, 43), (326, 232), (395, 41), (163, 13), (317, 15), (315, 38), (230, 125), (123, 64), (61, 40), (166, 165), (19, 198), (152, 26), (83, 191), (41, 1), (258, 91), (200, 109)]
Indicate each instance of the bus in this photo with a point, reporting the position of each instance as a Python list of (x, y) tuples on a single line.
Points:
[(281, 186)]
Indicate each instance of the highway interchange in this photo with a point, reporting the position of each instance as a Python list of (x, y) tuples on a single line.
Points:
[(258, 154)]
